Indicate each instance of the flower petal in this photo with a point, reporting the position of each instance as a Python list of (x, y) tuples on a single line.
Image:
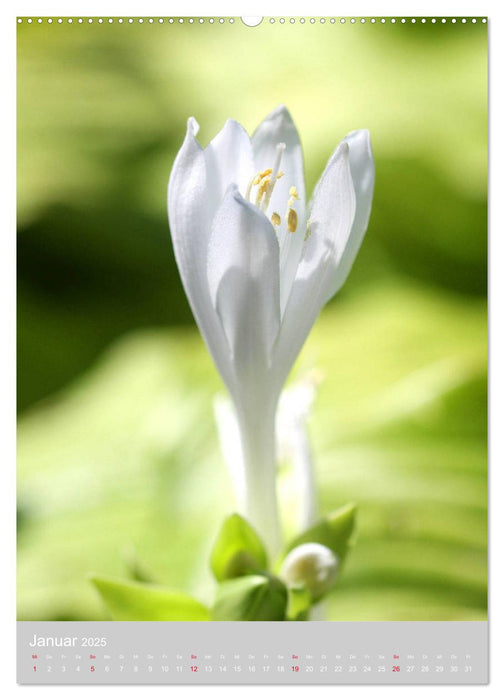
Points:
[(279, 127), (243, 279), (229, 159), (331, 220), (363, 175), (190, 226)]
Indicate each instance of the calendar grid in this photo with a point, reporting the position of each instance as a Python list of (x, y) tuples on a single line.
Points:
[(252, 652)]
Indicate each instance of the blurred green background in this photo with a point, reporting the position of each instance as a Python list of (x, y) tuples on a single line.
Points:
[(117, 447)]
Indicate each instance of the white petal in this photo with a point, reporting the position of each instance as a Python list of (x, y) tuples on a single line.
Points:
[(278, 127), (363, 175), (229, 159), (243, 280), (331, 220), (190, 226)]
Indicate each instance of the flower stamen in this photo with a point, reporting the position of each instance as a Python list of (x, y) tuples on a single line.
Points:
[(292, 220), (276, 169), (264, 181), (261, 176), (262, 189)]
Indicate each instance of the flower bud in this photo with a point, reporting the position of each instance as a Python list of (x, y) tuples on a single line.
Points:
[(312, 566)]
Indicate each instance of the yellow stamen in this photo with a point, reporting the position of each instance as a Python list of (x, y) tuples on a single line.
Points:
[(264, 185), (274, 172), (292, 221), (293, 192), (265, 181), (308, 230), (275, 219), (262, 189)]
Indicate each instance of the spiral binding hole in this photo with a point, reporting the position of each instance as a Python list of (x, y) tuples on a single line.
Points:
[(249, 21)]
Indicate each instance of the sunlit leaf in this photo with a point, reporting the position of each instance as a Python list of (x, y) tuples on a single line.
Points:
[(135, 601)]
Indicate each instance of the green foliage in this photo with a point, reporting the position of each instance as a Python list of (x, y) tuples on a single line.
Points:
[(94, 256), (238, 550), (129, 455), (127, 452), (251, 598), (334, 530), (126, 600)]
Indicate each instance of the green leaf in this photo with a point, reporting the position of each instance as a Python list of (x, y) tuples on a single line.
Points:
[(251, 598), (334, 531), (136, 601), (238, 550), (299, 601)]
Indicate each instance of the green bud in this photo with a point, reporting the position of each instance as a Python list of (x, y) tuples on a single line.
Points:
[(238, 550), (251, 598), (311, 566)]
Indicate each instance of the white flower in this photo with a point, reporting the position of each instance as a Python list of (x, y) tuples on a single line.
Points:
[(257, 267), (311, 565)]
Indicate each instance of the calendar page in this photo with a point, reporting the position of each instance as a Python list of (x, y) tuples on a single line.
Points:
[(252, 350)]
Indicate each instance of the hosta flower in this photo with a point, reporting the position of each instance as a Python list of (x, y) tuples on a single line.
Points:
[(257, 265)]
